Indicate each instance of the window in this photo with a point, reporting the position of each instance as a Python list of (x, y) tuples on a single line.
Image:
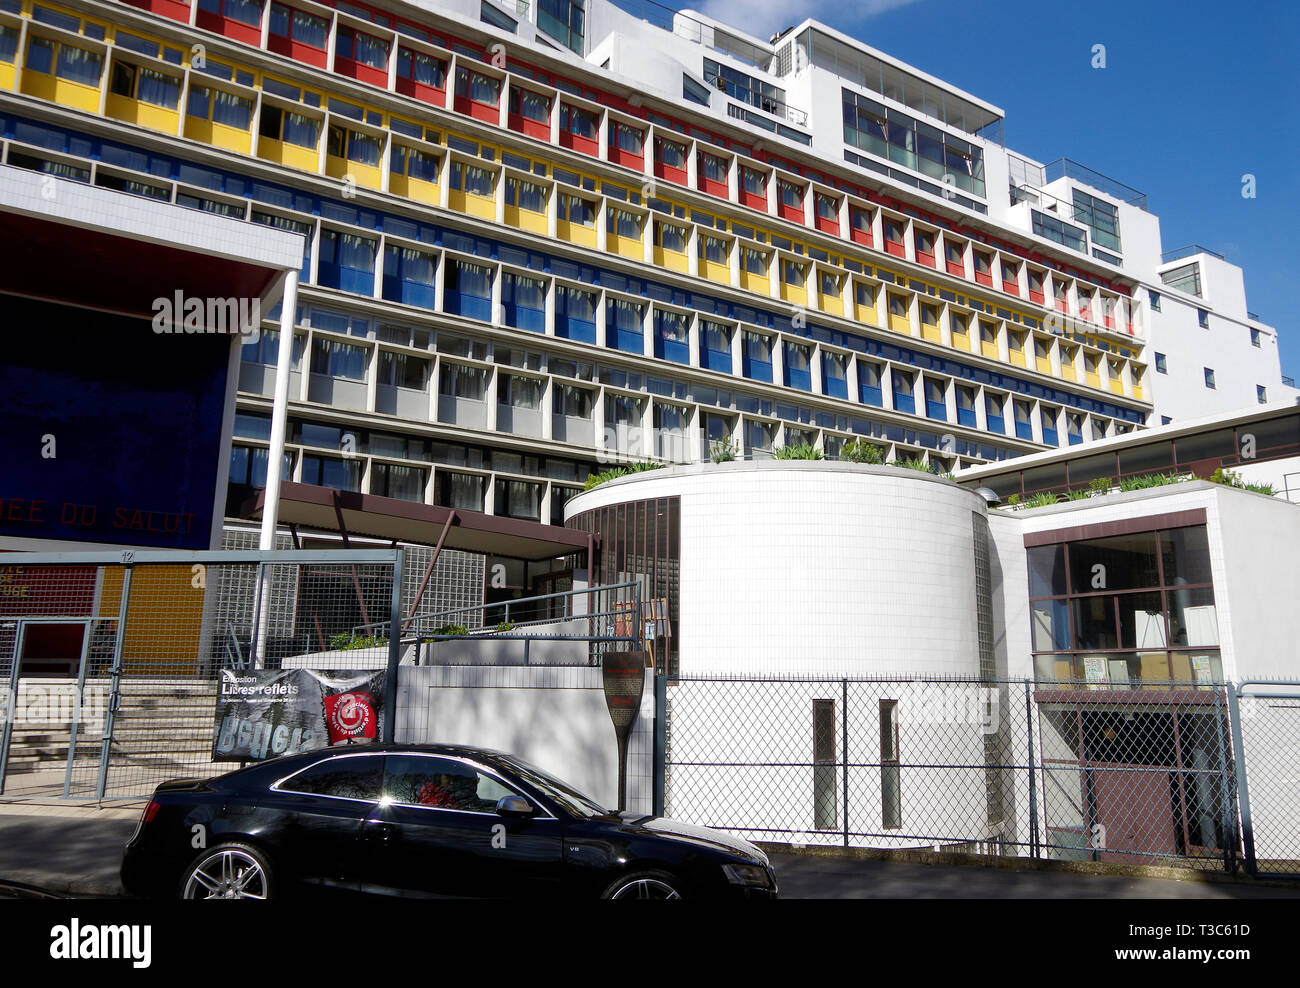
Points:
[(468, 289), (356, 777), (146, 85), (71, 63), (219, 107), (672, 336), (753, 181), (1209, 377), (793, 273), (419, 67), (565, 21), (403, 370), (1154, 299), (576, 209), (891, 812), (717, 346), (461, 381), (798, 373), (965, 406), (754, 260), (711, 249), (869, 383), (1099, 216), (362, 48), (1255, 337), (756, 358), (712, 167), (670, 237), (1185, 278), (347, 262), (1024, 428), (473, 179), (490, 15), (993, 408), (441, 784), (791, 195), (621, 223), (364, 149), (579, 122), (628, 138), (1261, 394), (335, 359), (478, 87), (901, 385), (694, 91), (827, 207), (1161, 366), (670, 153), (624, 325), (302, 27), (530, 105), (1065, 234), (936, 406), (824, 761), (1203, 317), (415, 163)]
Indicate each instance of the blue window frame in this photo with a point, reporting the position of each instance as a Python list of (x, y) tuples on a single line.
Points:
[(869, 392), (965, 406), (672, 337), (575, 314), (936, 406), (901, 385), (625, 325), (347, 262), (1074, 428), (409, 277), (835, 378), (524, 302), (1047, 417), (756, 357), (993, 408), (716, 351), (1024, 428), (565, 21), (468, 290), (798, 371)]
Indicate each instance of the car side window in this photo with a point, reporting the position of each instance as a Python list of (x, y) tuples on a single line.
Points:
[(356, 777), (441, 783)]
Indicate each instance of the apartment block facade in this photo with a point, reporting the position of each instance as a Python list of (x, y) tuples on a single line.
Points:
[(539, 237)]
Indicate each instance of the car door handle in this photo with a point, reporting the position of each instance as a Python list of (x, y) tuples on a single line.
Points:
[(378, 832)]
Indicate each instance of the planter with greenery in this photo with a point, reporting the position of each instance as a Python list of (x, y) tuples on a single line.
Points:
[(613, 473), (1230, 479), (346, 640), (722, 450), (799, 451)]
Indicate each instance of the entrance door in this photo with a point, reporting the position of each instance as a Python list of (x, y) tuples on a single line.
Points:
[(1134, 810)]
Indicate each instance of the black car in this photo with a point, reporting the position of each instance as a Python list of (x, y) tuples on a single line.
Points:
[(420, 820)]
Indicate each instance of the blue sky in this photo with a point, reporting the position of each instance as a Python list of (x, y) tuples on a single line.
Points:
[(1194, 95)]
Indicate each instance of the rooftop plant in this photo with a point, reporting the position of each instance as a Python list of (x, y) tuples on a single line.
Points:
[(613, 473)]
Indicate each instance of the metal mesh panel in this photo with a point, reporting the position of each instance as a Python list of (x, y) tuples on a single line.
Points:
[(1270, 749), (109, 672), (1000, 767)]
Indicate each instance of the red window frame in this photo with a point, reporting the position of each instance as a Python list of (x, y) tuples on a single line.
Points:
[(788, 212), (925, 257), (229, 26), (407, 85), (360, 71), (541, 129), (487, 112), (711, 186), (894, 246), (753, 200), (1036, 295), (984, 277), (827, 224), (577, 142), (670, 173), (621, 156), (1011, 287), (287, 45), (176, 10)]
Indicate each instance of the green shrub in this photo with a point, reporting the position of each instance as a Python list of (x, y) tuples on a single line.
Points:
[(861, 451), (1013, 500), (1146, 481), (1080, 495), (1040, 500), (613, 473), (1231, 479), (506, 626), (799, 451), (346, 641), (450, 629), (1101, 485), (722, 450), (912, 463)]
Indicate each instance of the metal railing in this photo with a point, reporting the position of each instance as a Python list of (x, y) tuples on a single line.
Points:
[(1065, 167), (1169, 256)]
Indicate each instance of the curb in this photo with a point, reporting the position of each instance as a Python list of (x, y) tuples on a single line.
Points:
[(1096, 868)]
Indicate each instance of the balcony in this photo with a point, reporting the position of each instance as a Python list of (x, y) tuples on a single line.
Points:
[(1065, 168), (1191, 250)]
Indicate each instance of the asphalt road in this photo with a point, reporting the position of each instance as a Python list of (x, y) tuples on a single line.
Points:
[(82, 855)]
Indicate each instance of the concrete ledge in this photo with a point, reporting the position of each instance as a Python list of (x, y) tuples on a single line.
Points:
[(1011, 863)]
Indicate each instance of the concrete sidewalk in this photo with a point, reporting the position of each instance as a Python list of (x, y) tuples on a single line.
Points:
[(70, 849)]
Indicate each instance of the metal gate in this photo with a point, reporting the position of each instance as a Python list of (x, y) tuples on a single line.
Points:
[(109, 661), (1266, 740)]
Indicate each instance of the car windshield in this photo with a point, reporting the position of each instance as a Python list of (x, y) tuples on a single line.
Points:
[(563, 793)]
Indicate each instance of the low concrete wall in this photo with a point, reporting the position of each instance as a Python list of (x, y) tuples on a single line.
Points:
[(553, 717)]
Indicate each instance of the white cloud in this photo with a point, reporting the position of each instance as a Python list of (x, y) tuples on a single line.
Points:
[(763, 18)]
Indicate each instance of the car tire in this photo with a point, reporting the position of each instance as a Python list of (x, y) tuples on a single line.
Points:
[(646, 885), (228, 871)]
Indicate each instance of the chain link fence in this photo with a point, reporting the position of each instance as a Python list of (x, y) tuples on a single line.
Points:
[(110, 663), (1064, 771)]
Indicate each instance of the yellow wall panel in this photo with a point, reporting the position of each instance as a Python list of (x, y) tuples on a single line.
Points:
[(752, 282), (793, 295), (425, 192), (720, 272), (673, 260), (575, 233), (289, 155), (65, 93), (136, 112), (525, 219)]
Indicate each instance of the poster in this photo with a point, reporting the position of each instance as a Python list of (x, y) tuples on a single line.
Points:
[(266, 713)]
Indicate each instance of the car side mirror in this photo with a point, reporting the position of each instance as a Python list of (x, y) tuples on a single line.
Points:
[(514, 806)]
